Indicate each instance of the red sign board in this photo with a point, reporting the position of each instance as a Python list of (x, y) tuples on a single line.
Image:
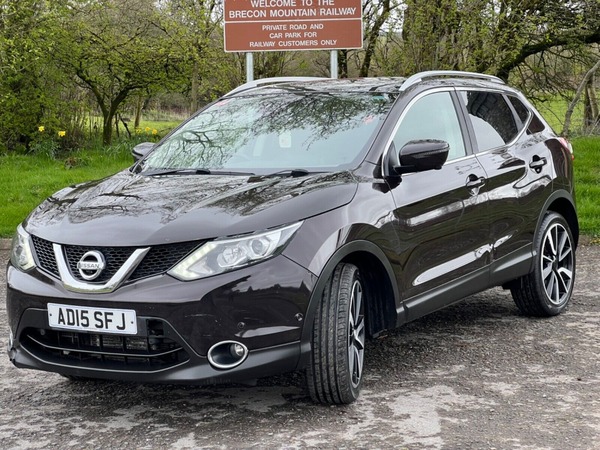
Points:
[(275, 25)]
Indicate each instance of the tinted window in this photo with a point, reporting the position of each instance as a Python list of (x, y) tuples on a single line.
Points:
[(432, 117), (492, 119), (520, 109), (536, 125), (262, 133)]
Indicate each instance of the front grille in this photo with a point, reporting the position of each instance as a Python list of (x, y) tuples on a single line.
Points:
[(115, 257), (158, 260), (161, 258), (151, 352), (45, 255)]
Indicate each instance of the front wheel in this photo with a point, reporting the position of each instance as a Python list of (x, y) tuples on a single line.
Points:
[(334, 375), (547, 290)]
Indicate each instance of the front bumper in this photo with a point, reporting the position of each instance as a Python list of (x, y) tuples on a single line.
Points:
[(262, 306)]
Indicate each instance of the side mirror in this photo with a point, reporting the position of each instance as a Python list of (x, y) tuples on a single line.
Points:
[(422, 155), (141, 150)]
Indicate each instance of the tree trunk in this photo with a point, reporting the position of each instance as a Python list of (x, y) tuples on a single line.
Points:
[(117, 126), (373, 37), (590, 108), (107, 128), (590, 73), (343, 63), (138, 112), (110, 113), (194, 93)]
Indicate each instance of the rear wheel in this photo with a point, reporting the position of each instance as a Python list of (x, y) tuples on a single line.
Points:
[(334, 375), (547, 290)]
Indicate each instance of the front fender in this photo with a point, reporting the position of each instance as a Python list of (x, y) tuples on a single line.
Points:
[(345, 252)]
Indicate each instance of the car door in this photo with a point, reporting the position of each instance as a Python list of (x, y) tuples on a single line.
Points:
[(519, 173), (441, 214)]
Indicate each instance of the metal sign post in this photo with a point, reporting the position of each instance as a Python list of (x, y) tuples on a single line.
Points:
[(333, 62), (249, 66)]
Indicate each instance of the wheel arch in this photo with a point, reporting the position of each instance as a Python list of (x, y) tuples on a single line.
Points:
[(378, 280), (562, 203)]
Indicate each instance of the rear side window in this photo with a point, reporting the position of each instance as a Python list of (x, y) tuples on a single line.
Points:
[(536, 125), (520, 109), (492, 118)]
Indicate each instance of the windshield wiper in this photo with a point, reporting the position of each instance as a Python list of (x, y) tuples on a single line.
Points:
[(294, 173), (200, 171), (151, 173)]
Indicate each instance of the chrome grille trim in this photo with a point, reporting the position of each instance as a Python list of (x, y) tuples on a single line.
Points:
[(74, 285)]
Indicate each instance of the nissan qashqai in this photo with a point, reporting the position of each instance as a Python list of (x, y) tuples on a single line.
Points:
[(285, 224)]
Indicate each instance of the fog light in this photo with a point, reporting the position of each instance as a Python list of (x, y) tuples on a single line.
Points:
[(236, 350)]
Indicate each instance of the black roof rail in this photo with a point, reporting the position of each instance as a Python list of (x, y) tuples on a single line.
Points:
[(272, 80), (418, 77)]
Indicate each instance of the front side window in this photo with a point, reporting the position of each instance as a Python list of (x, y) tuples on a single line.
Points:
[(492, 119), (432, 117), (275, 131)]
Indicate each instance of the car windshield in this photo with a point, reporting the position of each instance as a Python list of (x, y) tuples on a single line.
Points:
[(267, 133)]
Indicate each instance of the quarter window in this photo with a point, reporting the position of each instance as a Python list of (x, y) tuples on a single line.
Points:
[(432, 117), (520, 108), (492, 119)]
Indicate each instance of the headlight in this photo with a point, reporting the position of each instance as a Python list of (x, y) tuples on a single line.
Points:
[(20, 255), (223, 255)]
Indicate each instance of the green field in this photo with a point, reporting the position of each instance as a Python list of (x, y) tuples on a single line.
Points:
[(587, 184), (554, 110), (25, 180)]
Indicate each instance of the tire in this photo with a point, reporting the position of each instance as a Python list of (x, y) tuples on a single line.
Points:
[(334, 374), (547, 290)]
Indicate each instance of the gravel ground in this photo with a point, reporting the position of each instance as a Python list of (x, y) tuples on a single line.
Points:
[(474, 376)]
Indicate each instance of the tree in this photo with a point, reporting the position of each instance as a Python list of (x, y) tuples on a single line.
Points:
[(490, 36), (547, 25), (28, 94), (114, 48), (375, 14), (194, 26)]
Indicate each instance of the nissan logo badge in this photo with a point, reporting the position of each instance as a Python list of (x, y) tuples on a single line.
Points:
[(91, 265)]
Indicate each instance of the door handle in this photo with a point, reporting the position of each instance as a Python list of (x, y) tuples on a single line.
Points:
[(537, 163), (474, 182)]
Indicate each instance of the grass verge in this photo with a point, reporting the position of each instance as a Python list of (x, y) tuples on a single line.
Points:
[(26, 180), (587, 184)]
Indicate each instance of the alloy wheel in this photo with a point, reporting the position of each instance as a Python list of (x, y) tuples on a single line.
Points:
[(356, 334), (557, 264)]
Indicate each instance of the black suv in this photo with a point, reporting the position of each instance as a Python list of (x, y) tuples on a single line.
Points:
[(284, 224)]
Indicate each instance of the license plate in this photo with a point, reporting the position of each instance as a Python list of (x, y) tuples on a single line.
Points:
[(104, 320)]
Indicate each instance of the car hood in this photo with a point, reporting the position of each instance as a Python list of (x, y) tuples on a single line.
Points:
[(129, 209)]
